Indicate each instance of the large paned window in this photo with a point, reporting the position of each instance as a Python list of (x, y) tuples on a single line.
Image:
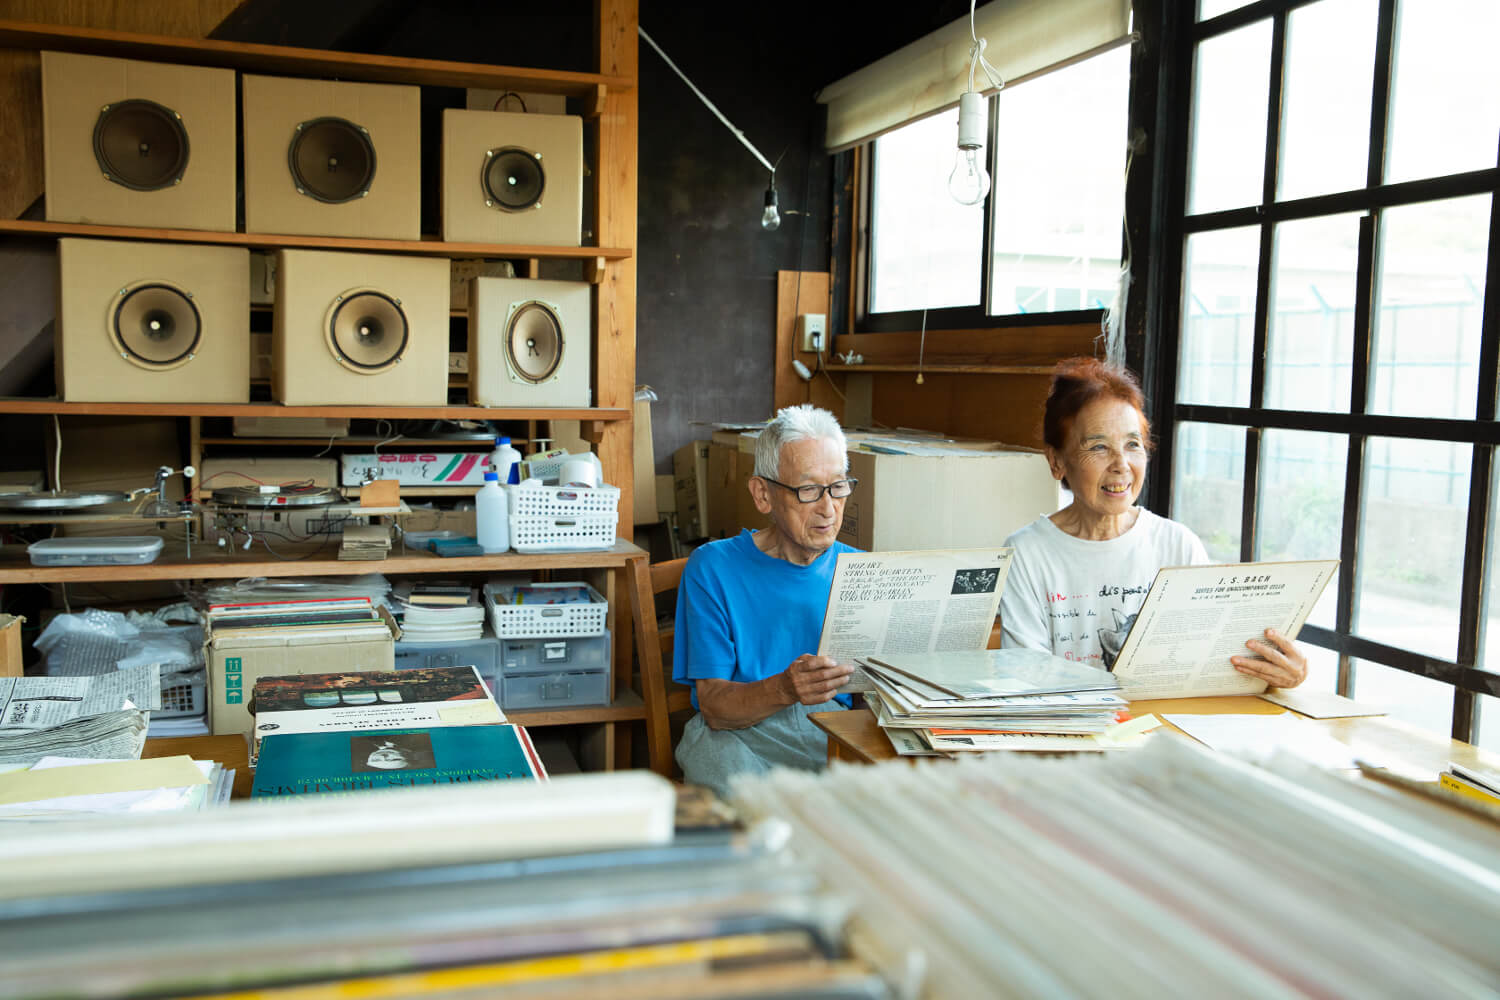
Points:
[(1048, 239), (1336, 330)]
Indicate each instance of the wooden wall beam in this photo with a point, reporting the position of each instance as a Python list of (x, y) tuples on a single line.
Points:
[(1030, 345), (803, 292)]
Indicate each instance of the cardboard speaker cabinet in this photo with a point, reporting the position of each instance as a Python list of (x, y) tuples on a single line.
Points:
[(356, 329), (512, 178), (329, 158), (136, 143), (530, 342), (146, 322)]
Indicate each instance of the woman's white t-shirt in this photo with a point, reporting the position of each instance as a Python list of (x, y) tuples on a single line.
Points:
[(1077, 598)]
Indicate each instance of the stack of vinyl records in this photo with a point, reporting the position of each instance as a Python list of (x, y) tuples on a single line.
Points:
[(575, 888), (430, 613), (1170, 871), (994, 699)]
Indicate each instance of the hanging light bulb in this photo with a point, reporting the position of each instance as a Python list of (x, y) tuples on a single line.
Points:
[(770, 219), (969, 182)]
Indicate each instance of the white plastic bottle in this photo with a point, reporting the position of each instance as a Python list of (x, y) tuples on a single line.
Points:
[(492, 515), (506, 461)]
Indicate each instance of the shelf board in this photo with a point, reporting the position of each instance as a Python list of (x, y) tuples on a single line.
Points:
[(487, 444), (167, 408), (289, 60), (946, 369), (209, 563), (426, 246), (627, 707)]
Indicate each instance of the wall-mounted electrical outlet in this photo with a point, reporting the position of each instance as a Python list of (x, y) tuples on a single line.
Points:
[(812, 332)]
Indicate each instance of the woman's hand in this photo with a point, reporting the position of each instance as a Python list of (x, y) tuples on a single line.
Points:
[(1278, 661)]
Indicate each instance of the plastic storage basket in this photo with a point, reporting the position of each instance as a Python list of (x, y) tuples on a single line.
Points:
[(552, 518), (545, 621)]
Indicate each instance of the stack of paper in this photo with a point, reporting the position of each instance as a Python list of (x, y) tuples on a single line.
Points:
[(993, 699), (439, 614), (103, 716), (162, 784), (366, 541)]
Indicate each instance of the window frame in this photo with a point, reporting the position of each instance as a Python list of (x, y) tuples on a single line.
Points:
[(1157, 358), (975, 317)]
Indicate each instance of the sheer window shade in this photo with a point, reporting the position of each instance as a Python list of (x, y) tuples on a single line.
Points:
[(1026, 38)]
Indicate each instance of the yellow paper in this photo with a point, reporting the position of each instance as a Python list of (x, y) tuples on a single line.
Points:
[(1127, 732), (96, 779), (469, 713)]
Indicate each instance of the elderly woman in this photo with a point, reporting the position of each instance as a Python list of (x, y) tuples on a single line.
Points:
[(1079, 576)]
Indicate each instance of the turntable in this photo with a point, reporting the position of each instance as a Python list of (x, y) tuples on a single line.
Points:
[(261, 497)]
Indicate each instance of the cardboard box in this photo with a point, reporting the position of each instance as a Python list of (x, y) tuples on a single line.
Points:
[(235, 663), (290, 427), (719, 499), (690, 489), (411, 468), (666, 498), (251, 470), (10, 645), (645, 457), (949, 495)]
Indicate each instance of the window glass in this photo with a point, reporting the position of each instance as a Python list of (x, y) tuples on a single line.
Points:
[(1421, 701), (926, 249), (1310, 337), (1300, 507), (1411, 543), (1208, 485), (1218, 317), (1445, 89), (1429, 308), (1230, 77), (1488, 733), (1059, 188), (1325, 117), (1322, 668), (1213, 8)]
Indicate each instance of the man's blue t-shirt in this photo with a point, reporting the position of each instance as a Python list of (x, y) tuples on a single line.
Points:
[(743, 615)]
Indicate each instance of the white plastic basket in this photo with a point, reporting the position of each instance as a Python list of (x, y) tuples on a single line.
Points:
[(545, 621), (535, 500), (183, 694), (563, 534)]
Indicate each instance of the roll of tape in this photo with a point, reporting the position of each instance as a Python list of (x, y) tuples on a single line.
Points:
[(578, 472)]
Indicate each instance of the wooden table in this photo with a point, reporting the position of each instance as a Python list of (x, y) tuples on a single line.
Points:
[(230, 751), (854, 735)]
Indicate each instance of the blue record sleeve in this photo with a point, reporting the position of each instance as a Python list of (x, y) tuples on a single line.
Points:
[(347, 761)]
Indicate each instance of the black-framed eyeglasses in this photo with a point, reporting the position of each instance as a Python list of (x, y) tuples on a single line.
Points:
[(812, 492)]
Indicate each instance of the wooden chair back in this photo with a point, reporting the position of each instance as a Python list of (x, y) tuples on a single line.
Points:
[(654, 649)]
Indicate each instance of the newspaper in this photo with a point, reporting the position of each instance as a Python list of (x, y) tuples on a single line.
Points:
[(1195, 618), (44, 702), (930, 601), (108, 736)]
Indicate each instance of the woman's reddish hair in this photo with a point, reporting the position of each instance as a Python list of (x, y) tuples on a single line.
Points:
[(1077, 382)]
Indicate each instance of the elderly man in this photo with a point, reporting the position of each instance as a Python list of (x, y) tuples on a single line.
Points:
[(750, 610)]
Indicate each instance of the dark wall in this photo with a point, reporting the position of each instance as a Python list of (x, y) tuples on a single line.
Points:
[(706, 292)]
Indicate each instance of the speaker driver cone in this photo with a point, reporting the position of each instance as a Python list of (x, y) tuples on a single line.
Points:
[(367, 331), (513, 179), (141, 145), (155, 326), (534, 342), (332, 160)]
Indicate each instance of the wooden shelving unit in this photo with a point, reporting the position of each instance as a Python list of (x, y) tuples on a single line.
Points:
[(274, 241), (609, 105)]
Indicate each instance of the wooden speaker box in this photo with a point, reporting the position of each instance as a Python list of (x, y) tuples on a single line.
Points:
[(153, 322), (325, 158), (360, 329), (512, 178), (530, 342), (135, 143)]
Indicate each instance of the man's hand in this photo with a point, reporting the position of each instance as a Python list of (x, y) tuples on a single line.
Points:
[(1284, 665), (812, 680)]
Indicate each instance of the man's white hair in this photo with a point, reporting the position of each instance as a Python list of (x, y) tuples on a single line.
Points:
[(796, 423)]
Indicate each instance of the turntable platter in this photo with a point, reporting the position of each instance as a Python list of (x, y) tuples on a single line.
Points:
[(62, 500), (276, 496)]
